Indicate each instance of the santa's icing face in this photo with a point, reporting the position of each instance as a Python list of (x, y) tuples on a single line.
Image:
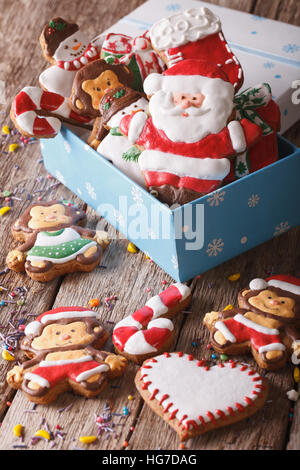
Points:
[(190, 107)]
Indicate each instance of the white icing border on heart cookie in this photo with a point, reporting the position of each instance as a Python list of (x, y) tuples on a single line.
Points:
[(159, 374)]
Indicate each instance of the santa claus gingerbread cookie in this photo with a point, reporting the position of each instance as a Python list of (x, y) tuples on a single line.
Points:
[(92, 81), (55, 242), (67, 49), (117, 148), (149, 331), (267, 323), (194, 398), (63, 348), (191, 135)]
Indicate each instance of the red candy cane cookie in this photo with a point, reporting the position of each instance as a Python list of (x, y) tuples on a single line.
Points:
[(148, 331), (38, 113)]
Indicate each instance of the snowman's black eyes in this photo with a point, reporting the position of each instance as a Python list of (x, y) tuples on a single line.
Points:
[(75, 40), (57, 333), (66, 47)]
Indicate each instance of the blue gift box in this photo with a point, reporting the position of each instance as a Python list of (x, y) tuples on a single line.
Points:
[(190, 239)]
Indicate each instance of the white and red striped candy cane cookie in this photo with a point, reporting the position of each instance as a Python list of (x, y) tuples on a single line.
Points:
[(29, 106), (149, 330)]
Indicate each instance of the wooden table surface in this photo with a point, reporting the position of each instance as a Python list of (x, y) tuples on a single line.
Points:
[(128, 276)]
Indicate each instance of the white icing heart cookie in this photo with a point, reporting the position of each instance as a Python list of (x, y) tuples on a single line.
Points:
[(204, 398)]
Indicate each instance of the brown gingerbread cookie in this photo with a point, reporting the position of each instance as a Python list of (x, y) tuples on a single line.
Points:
[(267, 322), (63, 351), (54, 242), (93, 81)]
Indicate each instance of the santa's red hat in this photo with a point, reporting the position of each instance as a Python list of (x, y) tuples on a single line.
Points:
[(34, 328), (185, 75), (284, 282)]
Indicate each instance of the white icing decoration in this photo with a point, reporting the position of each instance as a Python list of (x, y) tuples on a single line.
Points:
[(161, 323), (63, 53), (157, 305), (294, 289), (137, 344), (32, 328), (184, 290), (237, 136), (203, 168), (258, 284), (271, 347), (188, 26), (198, 390), (57, 80), (68, 234), (88, 373), (64, 362), (220, 326), (136, 126), (255, 326), (115, 120), (66, 314), (37, 379)]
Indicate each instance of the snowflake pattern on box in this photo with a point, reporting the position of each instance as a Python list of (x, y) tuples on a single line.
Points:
[(216, 198), (215, 247), (174, 262), (60, 177), (137, 196), (119, 218), (253, 200), (281, 228), (291, 48), (67, 146), (91, 191)]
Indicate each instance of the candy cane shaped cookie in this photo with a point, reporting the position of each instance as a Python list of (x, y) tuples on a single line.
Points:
[(149, 331), (38, 113)]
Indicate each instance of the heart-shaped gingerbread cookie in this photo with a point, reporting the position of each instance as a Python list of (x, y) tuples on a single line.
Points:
[(194, 398)]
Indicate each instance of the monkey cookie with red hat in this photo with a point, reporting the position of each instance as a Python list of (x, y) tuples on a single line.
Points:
[(192, 133), (63, 350), (267, 322)]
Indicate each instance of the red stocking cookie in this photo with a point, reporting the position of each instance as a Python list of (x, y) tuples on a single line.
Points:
[(193, 398), (63, 347), (149, 331), (38, 113), (196, 34)]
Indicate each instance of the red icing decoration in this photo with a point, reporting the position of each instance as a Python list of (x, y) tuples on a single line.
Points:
[(156, 336), (42, 127), (51, 101), (143, 315), (171, 296), (23, 103)]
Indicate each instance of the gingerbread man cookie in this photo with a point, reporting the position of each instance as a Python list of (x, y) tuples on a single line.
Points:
[(149, 331), (63, 350), (267, 323), (67, 49), (92, 82), (54, 242), (194, 398)]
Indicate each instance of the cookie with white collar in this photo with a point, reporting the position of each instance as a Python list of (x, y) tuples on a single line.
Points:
[(149, 331), (67, 49), (194, 398)]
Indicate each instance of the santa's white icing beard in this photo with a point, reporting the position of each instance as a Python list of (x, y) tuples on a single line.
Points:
[(192, 123)]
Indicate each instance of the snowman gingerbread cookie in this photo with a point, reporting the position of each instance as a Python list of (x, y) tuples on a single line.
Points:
[(63, 351), (115, 147), (67, 49), (54, 242), (267, 323)]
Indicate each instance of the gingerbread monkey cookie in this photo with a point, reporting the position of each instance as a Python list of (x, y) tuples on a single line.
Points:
[(194, 398), (67, 49), (55, 242), (149, 330), (91, 82), (63, 351), (267, 322)]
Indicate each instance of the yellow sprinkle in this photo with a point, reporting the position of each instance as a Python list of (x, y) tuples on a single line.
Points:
[(87, 439), (228, 307), (132, 248), (234, 277), (43, 433), (130, 397), (18, 430), (3, 210), (7, 356), (12, 147), (296, 374), (5, 130)]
